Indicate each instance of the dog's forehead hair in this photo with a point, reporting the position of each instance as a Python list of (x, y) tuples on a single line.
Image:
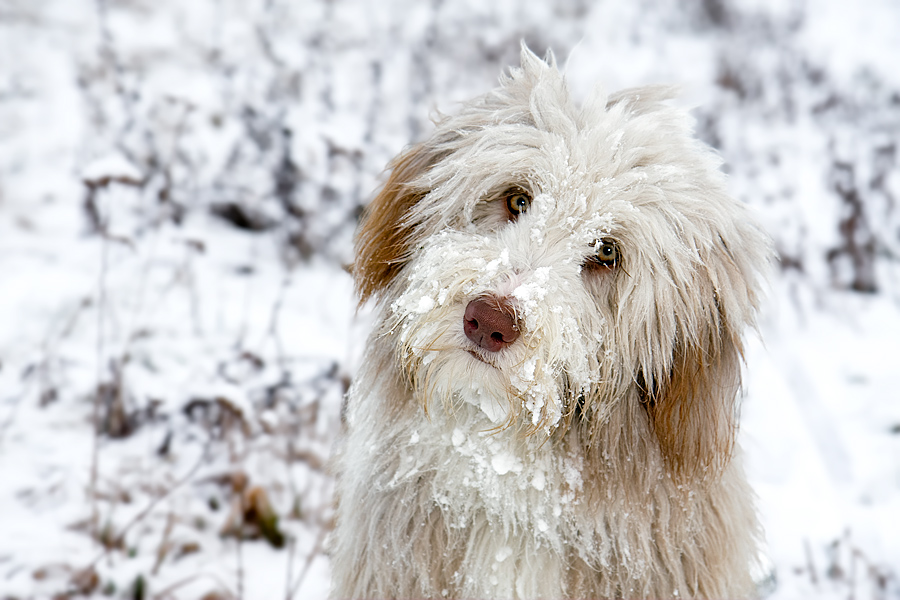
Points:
[(588, 166), (625, 165)]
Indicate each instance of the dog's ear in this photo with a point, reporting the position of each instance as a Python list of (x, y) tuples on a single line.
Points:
[(693, 407), (693, 410), (383, 239)]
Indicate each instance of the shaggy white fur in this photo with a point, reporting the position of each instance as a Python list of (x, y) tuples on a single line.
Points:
[(587, 448)]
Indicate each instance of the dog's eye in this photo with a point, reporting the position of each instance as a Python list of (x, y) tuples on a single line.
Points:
[(607, 254), (517, 202)]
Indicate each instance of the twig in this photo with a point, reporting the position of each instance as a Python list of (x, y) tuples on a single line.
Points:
[(164, 543), (163, 593), (276, 313), (316, 550), (240, 562), (809, 563), (95, 413), (140, 516), (292, 543)]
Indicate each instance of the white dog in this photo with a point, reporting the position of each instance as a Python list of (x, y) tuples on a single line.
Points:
[(547, 405)]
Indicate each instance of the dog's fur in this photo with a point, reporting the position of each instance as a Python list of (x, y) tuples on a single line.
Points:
[(594, 455)]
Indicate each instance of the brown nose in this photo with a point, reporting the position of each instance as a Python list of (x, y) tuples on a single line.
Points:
[(490, 323)]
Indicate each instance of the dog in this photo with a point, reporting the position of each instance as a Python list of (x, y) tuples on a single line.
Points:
[(547, 404)]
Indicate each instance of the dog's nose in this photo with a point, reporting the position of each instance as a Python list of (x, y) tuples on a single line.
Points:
[(491, 323)]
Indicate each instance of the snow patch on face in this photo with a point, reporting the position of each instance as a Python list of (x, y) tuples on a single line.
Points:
[(425, 304), (532, 384), (530, 295), (491, 268), (495, 410)]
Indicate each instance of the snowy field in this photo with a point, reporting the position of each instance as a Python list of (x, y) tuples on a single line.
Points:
[(179, 186)]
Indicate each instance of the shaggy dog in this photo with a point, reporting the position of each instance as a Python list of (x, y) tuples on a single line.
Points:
[(547, 405)]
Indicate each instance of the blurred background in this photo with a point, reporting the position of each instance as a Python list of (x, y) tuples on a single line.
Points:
[(179, 186)]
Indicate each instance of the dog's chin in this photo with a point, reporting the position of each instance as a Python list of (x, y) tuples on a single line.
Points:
[(489, 381), (465, 376), (483, 357)]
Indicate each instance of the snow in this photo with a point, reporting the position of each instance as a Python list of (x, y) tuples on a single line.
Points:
[(226, 350), (504, 462), (114, 166), (819, 430)]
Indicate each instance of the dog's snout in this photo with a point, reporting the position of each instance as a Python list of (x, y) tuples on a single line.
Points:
[(491, 323)]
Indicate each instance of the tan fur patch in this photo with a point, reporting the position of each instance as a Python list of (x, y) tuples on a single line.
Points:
[(383, 239)]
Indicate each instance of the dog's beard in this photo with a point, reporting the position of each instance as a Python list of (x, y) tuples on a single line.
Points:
[(536, 381)]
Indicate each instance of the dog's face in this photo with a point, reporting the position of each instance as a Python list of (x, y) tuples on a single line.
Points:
[(542, 260)]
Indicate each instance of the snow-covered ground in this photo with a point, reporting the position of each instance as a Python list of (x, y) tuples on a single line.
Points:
[(178, 189), (820, 431)]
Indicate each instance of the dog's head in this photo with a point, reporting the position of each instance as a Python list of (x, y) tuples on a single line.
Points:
[(541, 259)]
